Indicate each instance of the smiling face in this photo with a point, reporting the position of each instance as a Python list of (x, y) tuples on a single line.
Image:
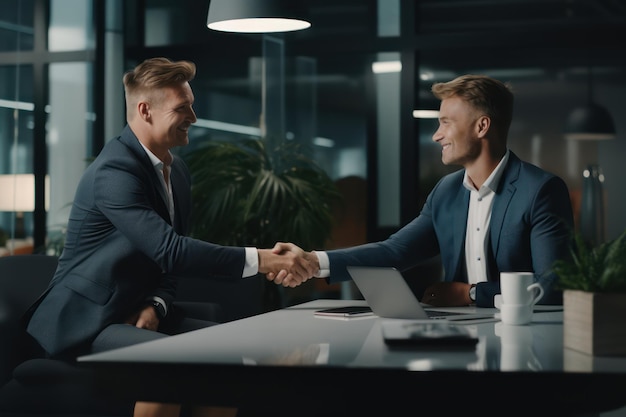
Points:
[(171, 114), (459, 133)]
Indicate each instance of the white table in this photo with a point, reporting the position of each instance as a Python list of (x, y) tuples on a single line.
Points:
[(292, 360)]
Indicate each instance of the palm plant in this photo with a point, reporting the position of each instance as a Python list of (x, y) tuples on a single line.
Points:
[(246, 195), (594, 269)]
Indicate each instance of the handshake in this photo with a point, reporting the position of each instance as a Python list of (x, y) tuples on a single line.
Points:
[(288, 264)]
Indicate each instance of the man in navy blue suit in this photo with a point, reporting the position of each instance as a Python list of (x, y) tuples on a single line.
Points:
[(496, 214)]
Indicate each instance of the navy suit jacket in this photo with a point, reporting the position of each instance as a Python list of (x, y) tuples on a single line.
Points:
[(531, 226), (122, 249)]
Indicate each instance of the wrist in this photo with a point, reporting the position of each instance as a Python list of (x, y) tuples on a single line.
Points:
[(313, 259), (159, 308), (262, 253)]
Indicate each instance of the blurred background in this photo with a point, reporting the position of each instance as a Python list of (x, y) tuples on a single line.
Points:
[(346, 88)]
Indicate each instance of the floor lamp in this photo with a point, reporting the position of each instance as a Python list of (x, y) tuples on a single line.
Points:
[(591, 122)]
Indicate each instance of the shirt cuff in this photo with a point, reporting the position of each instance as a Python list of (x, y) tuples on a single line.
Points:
[(324, 262), (251, 267)]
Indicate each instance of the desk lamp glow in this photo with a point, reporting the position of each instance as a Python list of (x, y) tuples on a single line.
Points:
[(17, 194)]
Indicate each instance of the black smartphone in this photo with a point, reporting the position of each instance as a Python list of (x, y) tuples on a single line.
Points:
[(348, 311)]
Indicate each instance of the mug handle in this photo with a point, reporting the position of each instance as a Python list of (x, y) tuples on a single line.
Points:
[(538, 289), (497, 301)]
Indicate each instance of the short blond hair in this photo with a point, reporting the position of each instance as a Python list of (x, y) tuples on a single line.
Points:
[(487, 95), (152, 75)]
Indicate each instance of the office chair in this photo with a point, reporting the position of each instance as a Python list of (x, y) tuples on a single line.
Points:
[(29, 384)]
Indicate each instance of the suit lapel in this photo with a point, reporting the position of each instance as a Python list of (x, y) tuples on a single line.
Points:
[(461, 202), (178, 185), (504, 195), (181, 183), (130, 140)]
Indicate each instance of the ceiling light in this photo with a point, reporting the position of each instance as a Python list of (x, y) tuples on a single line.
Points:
[(386, 66), (256, 16), (590, 122), (324, 142), (426, 114)]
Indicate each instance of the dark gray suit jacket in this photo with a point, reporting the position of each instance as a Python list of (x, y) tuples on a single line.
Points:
[(531, 226), (121, 249)]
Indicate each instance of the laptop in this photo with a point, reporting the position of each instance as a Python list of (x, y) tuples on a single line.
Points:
[(388, 295)]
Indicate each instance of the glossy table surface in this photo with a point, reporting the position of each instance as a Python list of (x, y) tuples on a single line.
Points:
[(287, 353)]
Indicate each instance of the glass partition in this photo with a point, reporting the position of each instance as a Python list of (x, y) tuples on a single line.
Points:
[(16, 26), (70, 130), (71, 26), (16, 157)]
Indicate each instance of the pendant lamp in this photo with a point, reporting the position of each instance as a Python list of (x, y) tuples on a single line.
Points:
[(256, 16), (591, 121)]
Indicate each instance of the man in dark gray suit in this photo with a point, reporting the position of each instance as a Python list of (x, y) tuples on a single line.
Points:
[(497, 214), (126, 242), (126, 237)]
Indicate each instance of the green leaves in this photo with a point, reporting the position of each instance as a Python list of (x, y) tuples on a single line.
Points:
[(594, 269), (245, 195)]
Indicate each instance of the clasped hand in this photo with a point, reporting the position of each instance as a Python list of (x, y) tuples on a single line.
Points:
[(287, 264)]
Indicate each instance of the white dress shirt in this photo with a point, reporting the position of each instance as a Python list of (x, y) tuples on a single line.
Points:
[(478, 218), (251, 266)]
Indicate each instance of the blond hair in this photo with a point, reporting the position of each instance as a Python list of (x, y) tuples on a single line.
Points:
[(147, 79), (487, 95)]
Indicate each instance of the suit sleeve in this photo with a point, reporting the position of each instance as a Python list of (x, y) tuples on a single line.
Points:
[(551, 235), (125, 194), (407, 247)]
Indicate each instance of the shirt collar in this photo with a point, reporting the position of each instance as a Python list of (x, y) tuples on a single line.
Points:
[(492, 181), (156, 162)]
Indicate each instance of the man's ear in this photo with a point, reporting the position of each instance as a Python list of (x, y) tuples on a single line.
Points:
[(482, 125), (143, 109)]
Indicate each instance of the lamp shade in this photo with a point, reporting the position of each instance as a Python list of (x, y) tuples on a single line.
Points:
[(17, 192), (256, 16), (591, 122)]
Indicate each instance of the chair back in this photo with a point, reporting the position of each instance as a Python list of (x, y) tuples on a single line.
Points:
[(23, 278)]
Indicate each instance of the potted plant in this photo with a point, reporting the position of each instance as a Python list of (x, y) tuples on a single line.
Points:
[(594, 297), (247, 195)]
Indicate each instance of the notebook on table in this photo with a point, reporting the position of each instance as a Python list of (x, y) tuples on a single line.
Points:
[(388, 295)]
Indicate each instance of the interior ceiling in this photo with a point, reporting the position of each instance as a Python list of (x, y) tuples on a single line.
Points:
[(461, 15), (516, 38), (357, 17)]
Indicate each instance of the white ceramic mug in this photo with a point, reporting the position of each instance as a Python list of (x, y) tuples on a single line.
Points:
[(520, 288), (519, 293)]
